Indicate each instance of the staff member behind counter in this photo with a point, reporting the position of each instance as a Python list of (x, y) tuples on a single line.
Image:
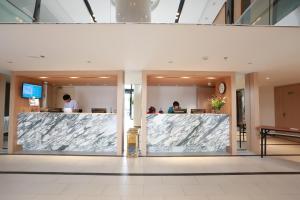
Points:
[(70, 104), (174, 107)]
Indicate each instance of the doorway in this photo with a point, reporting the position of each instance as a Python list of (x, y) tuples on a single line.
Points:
[(6, 119), (128, 113)]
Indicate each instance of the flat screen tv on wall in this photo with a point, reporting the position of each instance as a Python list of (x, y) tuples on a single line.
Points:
[(30, 91)]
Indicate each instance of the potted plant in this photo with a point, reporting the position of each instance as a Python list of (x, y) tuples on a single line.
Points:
[(217, 103)]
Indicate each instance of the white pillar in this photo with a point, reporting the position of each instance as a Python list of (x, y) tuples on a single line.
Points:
[(144, 116), (137, 105)]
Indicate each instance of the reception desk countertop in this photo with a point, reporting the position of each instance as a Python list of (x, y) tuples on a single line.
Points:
[(75, 132), (187, 133)]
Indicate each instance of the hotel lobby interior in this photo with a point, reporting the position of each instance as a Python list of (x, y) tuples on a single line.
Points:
[(149, 99)]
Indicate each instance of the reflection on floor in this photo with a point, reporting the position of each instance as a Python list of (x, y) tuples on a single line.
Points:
[(169, 165)]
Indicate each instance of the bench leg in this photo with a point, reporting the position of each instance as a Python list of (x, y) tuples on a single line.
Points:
[(261, 143)]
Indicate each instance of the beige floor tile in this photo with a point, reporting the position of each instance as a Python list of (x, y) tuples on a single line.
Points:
[(163, 190), (202, 190)]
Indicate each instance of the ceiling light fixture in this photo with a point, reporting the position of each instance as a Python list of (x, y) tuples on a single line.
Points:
[(185, 77), (104, 77), (204, 58), (159, 77), (170, 61), (250, 63), (73, 77), (43, 77), (226, 58), (211, 78), (268, 78), (10, 62)]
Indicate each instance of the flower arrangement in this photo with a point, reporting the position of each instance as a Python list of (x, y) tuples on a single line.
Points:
[(217, 103)]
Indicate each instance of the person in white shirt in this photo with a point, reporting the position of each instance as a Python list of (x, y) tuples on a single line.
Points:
[(69, 103)]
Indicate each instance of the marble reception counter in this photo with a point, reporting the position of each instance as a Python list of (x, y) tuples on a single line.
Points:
[(187, 133), (76, 132)]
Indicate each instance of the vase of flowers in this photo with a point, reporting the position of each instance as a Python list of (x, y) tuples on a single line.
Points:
[(217, 103)]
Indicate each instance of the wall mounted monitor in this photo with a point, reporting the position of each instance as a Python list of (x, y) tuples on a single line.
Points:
[(30, 91)]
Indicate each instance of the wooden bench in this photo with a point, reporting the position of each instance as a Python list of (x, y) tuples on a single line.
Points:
[(266, 131)]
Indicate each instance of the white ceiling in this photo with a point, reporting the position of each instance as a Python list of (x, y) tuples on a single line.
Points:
[(273, 51)]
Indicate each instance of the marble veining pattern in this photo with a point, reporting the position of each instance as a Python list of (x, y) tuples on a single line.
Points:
[(82, 132), (184, 133)]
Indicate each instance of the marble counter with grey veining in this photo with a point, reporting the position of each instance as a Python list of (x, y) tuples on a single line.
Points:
[(187, 133), (75, 132)]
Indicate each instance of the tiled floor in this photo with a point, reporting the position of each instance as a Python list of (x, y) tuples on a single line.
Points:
[(147, 181), (63, 187), (148, 186)]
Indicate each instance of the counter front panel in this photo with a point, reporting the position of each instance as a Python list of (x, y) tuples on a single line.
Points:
[(184, 133), (82, 132)]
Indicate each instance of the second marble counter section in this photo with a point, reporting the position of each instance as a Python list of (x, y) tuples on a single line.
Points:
[(187, 133), (76, 132)]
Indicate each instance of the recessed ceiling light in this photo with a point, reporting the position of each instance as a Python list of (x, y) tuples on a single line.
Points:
[(209, 84), (204, 58), (159, 77), (250, 63), (268, 78), (43, 77), (185, 77), (170, 61), (73, 77), (42, 56), (225, 58), (104, 77), (10, 62), (88, 61), (211, 78)]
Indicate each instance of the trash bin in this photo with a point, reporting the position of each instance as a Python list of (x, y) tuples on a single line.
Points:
[(132, 142)]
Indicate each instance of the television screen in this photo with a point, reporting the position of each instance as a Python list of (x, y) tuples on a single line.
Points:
[(30, 91)]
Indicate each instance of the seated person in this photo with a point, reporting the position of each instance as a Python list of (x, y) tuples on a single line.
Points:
[(151, 110), (69, 103), (174, 107)]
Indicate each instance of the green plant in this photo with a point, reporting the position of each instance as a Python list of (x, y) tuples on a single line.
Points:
[(217, 103)]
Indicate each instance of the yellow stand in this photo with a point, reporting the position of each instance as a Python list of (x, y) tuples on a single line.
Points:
[(132, 143)]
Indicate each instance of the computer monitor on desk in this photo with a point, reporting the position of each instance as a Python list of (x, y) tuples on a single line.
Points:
[(180, 111), (198, 111), (99, 110)]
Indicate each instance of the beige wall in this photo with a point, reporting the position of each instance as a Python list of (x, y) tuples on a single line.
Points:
[(237, 9), (203, 96), (267, 105), (17, 105), (220, 19), (228, 94)]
